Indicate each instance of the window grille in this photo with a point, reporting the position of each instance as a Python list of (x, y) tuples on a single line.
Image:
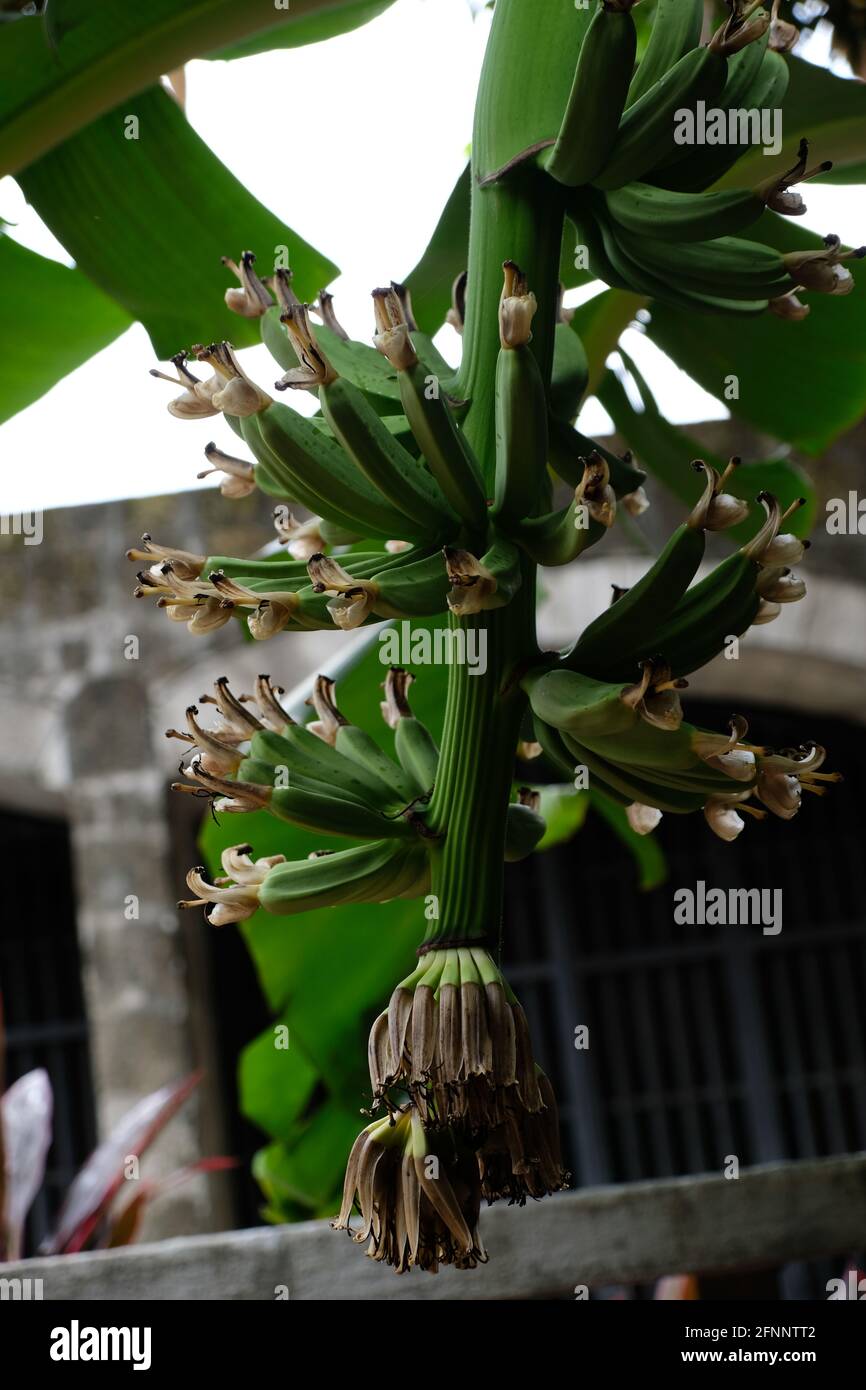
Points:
[(40, 980)]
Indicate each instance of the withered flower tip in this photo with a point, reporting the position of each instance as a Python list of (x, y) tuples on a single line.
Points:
[(194, 402), (472, 584), (354, 598), (329, 719), (642, 819), (303, 539), (239, 478), (230, 389), (776, 192), (184, 563), (222, 906), (252, 299), (419, 1196), (517, 306), (325, 309), (594, 490), (656, 696), (717, 509), (783, 34), (789, 307), (314, 369), (823, 271), (395, 705), (637, 502), (392, 330), (281, 284)]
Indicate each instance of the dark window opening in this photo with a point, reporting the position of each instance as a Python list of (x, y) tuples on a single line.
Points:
[(43, 1001), (705, 1041)]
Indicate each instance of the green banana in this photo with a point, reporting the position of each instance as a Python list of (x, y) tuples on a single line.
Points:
[(414, 745), (309, 804), (577, 704), (622, 626), (399, 478), (338, 535), (363, 750), (664, 752), (552, 746), (524, 826), (271, 751), (417, 753), (650, 281), (720, 605), (443, 445), (601, 82), (628, 784), (568, 450), (699, 168), (319, 475), (490, 582), (521, 433), (589, 234), (373, 873), (727, 266), (668, 215), (415, 589), (298, 748), (559, 537), (646, 132), (676, 29)]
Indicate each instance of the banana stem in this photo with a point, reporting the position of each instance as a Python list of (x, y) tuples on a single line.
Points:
[(476, 770), (518, 219)]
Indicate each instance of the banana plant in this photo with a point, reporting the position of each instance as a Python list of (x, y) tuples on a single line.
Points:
[(431, 489)]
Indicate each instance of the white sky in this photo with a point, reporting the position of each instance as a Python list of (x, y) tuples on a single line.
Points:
[(378, 160)]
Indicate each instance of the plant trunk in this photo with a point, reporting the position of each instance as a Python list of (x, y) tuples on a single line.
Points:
[(519, 219)]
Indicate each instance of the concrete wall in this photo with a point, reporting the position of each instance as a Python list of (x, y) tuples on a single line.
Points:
[(82, 734)]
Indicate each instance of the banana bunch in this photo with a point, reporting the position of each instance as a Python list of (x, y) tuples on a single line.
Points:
[(638, 175), (611, 703), (331, 777), (403, 526)]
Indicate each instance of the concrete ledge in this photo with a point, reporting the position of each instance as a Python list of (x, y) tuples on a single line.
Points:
[(607, 1235)]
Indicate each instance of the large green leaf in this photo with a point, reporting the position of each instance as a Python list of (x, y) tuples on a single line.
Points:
[(804, 382), (599, 322), (444, 259), (667, 451), (51, 320), (831, 112), (308, 1170), (350, 15), (276, 1082), (148, 219), (55, 77)]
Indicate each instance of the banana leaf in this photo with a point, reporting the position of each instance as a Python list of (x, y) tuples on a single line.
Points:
[(147, 220), (59, 73)]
